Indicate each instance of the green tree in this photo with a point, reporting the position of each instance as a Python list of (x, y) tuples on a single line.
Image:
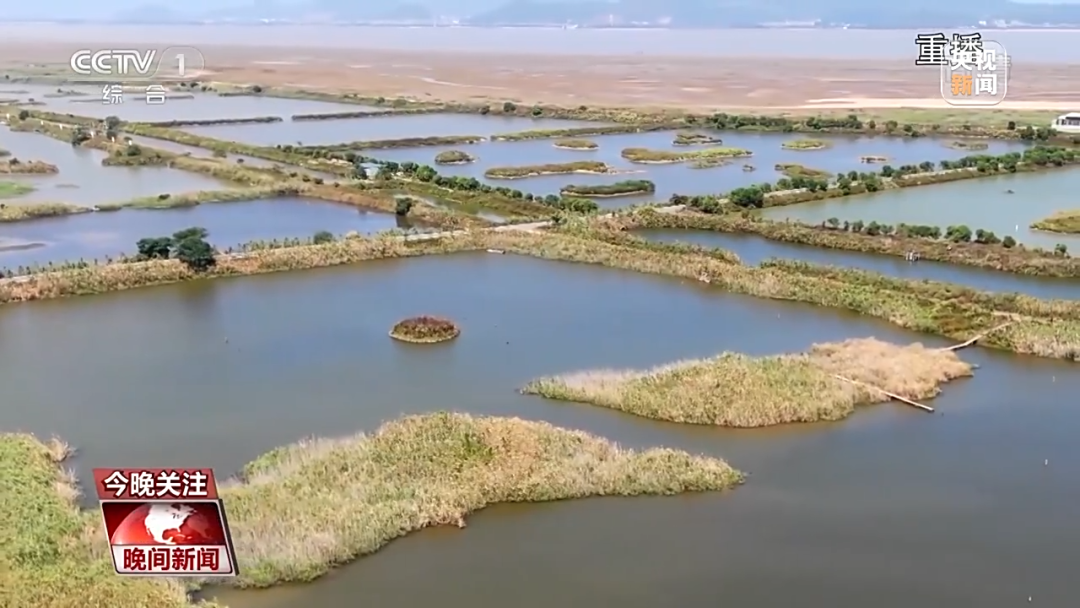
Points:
[(195, 232), (404, 206), (1011, 126), (78, 136), (509, 107), (195, 252), (322, 237), (1008, 242), (24, 114), (1061, 249), (155, 248)]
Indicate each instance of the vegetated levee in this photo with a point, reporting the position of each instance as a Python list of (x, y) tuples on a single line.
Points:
[(1066, 222), (624, 188), (973, 146), (646, 156), (301, 509), (389, 144), (586, 131), (581, 166), (695, 139), (897, 241), (32, 211), (454, 157), (1046, 328), (209, 122), (425, 330), (575, 144), (739, 391), (362, 114)]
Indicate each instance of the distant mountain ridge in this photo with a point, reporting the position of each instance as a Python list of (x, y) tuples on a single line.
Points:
[(641, 13)]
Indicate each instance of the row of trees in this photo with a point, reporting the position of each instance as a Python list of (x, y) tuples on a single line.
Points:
[(189, 246), (957, 234), (851, 122), (388, 170)]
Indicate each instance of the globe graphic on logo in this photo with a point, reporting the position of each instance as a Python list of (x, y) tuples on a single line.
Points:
[(170, 524)]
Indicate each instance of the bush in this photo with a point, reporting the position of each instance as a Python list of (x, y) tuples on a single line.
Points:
[(196, 253), (322, 237), (404, 206), (1008, 242)]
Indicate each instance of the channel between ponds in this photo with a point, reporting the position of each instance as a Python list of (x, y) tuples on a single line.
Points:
[(215, 373)]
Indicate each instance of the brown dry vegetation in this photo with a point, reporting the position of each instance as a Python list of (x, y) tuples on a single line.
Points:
[(425, 330), (739, 391)]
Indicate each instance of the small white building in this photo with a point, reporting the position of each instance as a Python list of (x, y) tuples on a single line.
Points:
[(1067, 123)]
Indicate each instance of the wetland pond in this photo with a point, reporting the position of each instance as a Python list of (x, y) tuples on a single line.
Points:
[(100, 234), (977, 203), (82, 179), (841, 514), (326, 132), (681, 178), (753, 249)]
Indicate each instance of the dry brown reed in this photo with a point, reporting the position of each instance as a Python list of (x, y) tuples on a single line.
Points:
[(735, 390)]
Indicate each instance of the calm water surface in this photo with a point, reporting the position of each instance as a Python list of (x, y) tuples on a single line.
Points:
[(980, 203), (320, 132), (83, 181), (97, 235), (753, 249), (842, 515), (281, 41), (681, 177), (204, 106)]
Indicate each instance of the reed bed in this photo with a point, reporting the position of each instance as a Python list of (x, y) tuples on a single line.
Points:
[(14, 166), (647, 156), (623, 188), (1065, 222), (356, 494), (425, 330), (973, 146), (633, 127), (524, 171), (735, 390), (200, 197)]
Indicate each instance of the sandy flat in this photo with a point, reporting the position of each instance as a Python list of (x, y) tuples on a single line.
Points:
[(686, 82)]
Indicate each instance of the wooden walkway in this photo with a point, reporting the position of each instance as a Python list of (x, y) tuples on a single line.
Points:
[(974, 340), (925, 408)]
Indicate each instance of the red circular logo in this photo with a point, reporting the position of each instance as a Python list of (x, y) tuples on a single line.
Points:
[(170, 524)]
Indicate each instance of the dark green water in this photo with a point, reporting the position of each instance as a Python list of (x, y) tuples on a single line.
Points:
[(890, 508), (753, 250)]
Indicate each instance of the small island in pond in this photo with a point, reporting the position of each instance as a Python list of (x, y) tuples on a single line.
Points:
[(646, 156), (873, 159), (425, 330), (454, 157), (14, 189), (696, 139), (1065, 222), (14, 166), (806, 144), (797, 170), (575, 144), (628, 187), (582, 166), (972, 146)]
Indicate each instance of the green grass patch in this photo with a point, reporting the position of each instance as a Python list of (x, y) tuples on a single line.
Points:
[(806, 144), (33, 211), (14, 189), (797, 170), (739, 391), (623, 188), (971, 146)]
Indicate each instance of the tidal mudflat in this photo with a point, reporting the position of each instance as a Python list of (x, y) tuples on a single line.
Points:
[(100, 234), (82, 179), (1005, 204), (842, 156), (753, 249), (815, 489), (324, 132)]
